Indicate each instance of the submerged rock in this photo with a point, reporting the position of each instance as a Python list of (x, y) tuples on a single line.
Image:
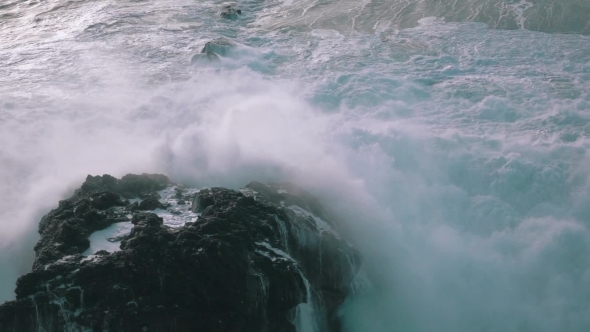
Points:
[(204, 57), (213, 50), (253, 260), (230, 13), (220, 46)]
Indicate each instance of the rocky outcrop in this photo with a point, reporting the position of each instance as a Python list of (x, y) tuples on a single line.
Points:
[(264, 258), (214, 49), (219, 46)]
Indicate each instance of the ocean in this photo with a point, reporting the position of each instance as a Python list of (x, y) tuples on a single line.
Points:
[(451, 138)]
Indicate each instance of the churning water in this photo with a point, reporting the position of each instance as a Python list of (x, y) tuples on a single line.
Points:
[(451, 136)]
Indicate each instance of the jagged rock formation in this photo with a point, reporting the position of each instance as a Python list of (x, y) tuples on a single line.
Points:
[(265, 258)]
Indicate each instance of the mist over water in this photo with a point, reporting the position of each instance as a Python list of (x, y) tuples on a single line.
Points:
[(454, 153)]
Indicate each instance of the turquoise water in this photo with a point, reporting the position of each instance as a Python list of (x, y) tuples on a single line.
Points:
[(452, 140)]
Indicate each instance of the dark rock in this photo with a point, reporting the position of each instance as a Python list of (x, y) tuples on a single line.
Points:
[(65, 230), (150, 219), (220, 46), (102, 253), (150, 204), (202, 201), (213, 50), (133, 206), (130, 185), (136, 184), (230, 13), (242, 266), (208, 211), (96, 183), (106, 199)]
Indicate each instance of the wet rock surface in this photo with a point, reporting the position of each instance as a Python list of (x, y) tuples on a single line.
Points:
[(258, 259), (213, 50), (230, 13), (220, 46)]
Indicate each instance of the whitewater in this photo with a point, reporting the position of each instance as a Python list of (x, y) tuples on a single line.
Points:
[(451, 137)]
